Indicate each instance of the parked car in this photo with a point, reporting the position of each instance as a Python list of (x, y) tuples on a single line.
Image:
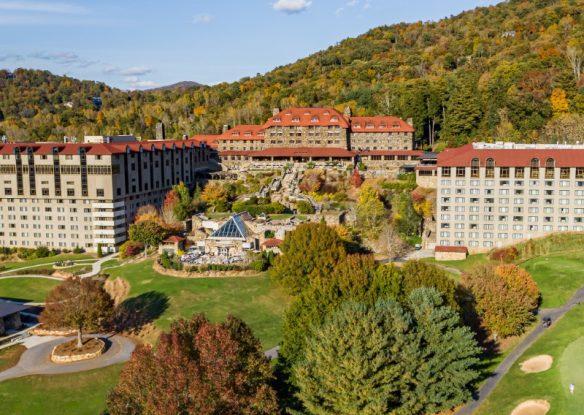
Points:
[(546, 321)]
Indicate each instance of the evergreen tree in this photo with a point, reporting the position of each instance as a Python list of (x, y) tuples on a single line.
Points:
[(463, 109)]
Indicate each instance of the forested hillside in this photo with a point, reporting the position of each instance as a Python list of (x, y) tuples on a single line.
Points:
[(513, 71)]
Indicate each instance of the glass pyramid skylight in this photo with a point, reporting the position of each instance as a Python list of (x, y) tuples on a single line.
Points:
[(234, 228)]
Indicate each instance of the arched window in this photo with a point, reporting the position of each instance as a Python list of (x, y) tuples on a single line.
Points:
[(549, 168), (534, 168), (490, 170), (474, 167)]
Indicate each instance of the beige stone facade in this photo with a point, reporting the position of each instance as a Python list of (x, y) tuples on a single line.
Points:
[(65, 196)]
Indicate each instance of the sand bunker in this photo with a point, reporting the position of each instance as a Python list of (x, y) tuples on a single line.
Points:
[(537, 364), (532, 407)]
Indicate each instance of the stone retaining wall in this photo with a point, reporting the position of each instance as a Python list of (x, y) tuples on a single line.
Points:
[(77, 358), (52, 332), (207, 274)]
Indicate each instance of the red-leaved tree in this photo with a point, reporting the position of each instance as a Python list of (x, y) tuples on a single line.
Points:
[(197, 368)]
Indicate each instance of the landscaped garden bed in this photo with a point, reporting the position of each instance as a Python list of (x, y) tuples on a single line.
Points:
[(69, 352)]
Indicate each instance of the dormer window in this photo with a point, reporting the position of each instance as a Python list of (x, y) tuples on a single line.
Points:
[(382, 125), (314, 119), (396, 125), (326, 113), (247, 134), (295, 119), (277, 120), (356, 125), (334, 118), (306, 112), (235, 134), (369, 125)]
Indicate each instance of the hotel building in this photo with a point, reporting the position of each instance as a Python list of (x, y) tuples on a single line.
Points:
[(68, 195), (493, 195)]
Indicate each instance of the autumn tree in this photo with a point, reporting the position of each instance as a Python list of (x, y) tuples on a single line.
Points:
[(505, 297), (309, 252), (419, 274), (312, 181), (388, 358), (370, 212), (147, 213), (80, 304), (356, 179), (197, 368), (148, 232), (171, 199), (214, 194), (183, 208)]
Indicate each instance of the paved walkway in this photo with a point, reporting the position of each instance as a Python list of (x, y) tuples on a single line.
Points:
[(36, 360), (75, 262), (96, 266), (48, 277), (503, 368), (272, 353)]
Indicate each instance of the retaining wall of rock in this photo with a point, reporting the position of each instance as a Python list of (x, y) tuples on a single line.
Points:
[(206, 274)]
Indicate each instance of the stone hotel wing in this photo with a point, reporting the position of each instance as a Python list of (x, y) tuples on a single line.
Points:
[(493, 195)]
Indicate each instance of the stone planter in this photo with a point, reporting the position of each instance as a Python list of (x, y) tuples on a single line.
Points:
[(57, 358), (206, 274)]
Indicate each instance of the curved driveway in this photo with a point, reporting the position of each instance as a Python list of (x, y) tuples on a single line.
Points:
[(36, 360)]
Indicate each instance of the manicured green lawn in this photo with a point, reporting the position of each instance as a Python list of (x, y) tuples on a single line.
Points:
[(552, 385), (111, 263), (29, 289), (78, 393), (558, 276), (6, 266), (462, 265), (256, 300), (10, 356)]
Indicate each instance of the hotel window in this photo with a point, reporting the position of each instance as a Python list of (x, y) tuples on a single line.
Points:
[(549, 168), (534, 169), (490, 169), (504, 172), (475, 168), (460, 172), (445, 171), (519, 172), (564, 173), (580, 172)]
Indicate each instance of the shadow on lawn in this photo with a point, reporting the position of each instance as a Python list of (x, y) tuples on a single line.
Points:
[(133, 313)]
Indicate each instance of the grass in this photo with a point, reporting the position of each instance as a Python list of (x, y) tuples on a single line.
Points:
[(256, 300), (564, 342), (283, 216), (10, 356), (110, 264), (558, 276), (7, 266), (462, 265), (77, 393), (26, 289)]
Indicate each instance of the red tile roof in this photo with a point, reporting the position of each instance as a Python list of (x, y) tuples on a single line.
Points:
[(452, 249), (244, 132), (380, 125), (95, 148), (306, 117), (272, 243), (511, 157), (303, 152), (209, 139), (174, 239)]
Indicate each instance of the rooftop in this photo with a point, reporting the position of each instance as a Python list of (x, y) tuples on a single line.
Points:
[(8, 308)]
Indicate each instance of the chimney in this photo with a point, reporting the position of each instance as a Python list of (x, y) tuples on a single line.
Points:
[(275, 111), (185, 137), (410, 121), (225, 128), (160, 131), (65, 139), (347, 112)]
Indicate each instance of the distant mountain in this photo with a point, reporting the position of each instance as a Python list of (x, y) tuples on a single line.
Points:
[(177, 85), (512, 71)]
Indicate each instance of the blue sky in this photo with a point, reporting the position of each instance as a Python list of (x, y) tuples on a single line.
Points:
[(145, 43)]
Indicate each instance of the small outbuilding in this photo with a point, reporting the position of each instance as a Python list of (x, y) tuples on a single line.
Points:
[(272, 244), (10, 316), (450, 253), (172, 245)]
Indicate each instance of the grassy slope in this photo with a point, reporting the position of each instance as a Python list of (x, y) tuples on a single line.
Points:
[(558, 276), (28, 289), (9, 357), (256, 300), (78, 393), (551, 385)]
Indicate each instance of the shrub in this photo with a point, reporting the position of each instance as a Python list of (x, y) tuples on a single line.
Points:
[(304, 207), (78, 250), (170, 262), (99, 251), (130, 249), (508, 254)]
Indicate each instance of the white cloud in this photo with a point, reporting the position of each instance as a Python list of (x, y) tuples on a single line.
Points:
[(203, 18), (352, 3), (130, 71), (11, 57), (291, 6), (339, 11), (63, 58), (43, 7), (136, 83)]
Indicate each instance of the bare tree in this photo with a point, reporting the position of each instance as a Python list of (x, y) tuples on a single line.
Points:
[(390, 242), (576, 59)]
